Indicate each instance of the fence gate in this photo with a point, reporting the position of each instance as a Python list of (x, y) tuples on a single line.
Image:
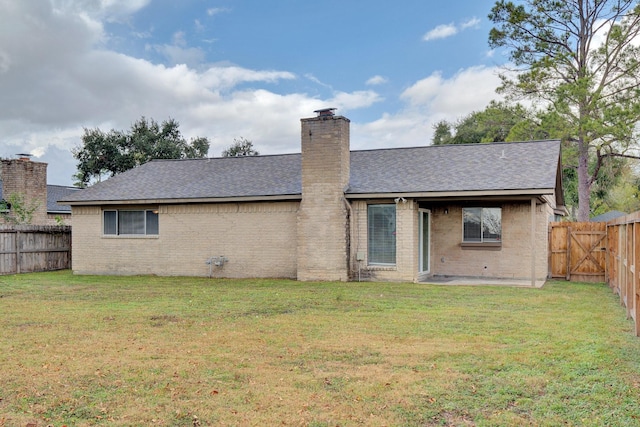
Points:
[(578, 251)]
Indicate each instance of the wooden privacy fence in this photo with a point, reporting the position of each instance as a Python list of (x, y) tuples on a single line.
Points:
[(578, 251), (26, 249), (600, 252), (623, 264)]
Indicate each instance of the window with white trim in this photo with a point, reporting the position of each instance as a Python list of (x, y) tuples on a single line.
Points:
[(130, 222), (482, 225), (381, 226)]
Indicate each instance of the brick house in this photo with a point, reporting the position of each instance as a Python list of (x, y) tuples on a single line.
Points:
[(28, 179), (328, 213)]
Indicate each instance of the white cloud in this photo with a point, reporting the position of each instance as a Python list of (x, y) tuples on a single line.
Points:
[(376, 80), (441, 32), (5, 62), (471, 23), (448, 30), (317, 81), (179, 52), (226, 77), (354, 100), (179, 55), (216, 11), (108, 10), (467, 90), (121, 8)]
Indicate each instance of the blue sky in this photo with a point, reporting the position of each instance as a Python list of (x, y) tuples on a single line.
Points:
[(237, 68)]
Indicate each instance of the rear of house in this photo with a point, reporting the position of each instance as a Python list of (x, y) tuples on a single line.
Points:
[(328, 213)]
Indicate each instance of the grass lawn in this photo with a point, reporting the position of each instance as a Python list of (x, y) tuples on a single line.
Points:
[(143, 351)]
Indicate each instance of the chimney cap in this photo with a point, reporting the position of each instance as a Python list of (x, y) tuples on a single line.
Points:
[(24, 156), (324, 112)]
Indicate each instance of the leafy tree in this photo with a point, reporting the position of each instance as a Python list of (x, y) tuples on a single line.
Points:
[(578, 58), (442, 134), (493, 124), (101, 153), (17, 210), (113, 152), (240, 147), (624, 195)]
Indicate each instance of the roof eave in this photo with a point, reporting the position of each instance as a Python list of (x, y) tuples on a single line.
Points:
[(279, 198), (526, 193), (561, 210), (434, 195)]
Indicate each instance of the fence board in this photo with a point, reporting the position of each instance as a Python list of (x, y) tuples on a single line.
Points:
[(26, 249), (623, 263)]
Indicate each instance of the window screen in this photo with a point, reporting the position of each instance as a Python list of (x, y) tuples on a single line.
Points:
[(130, 222), (382, 234), (110, 222)]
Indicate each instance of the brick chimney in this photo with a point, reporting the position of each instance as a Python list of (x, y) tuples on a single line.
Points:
[(29, 179), (323, 222)]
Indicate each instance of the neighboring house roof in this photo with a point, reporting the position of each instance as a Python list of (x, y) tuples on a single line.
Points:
[(520, 168), (54, 193), (607, 216)]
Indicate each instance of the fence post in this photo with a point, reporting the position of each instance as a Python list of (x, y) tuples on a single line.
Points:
[(569, 253), (635, 288), (18, 264)]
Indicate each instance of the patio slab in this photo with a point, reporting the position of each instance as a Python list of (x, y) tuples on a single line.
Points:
[(479, 281)]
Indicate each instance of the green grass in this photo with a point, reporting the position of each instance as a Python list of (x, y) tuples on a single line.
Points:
[(128, 351)]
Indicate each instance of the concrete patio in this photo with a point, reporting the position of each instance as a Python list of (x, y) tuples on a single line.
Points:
[(479, 281)]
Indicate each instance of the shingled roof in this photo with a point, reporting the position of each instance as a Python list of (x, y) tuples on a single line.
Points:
[(55, 193), (532, 167)]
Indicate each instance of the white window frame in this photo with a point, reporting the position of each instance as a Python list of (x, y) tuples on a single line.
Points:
[(148, 227), (371, 261), (424, 269)]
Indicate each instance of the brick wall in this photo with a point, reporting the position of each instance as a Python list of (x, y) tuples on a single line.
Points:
[(447, 257), (511, 261), (257, 238)]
